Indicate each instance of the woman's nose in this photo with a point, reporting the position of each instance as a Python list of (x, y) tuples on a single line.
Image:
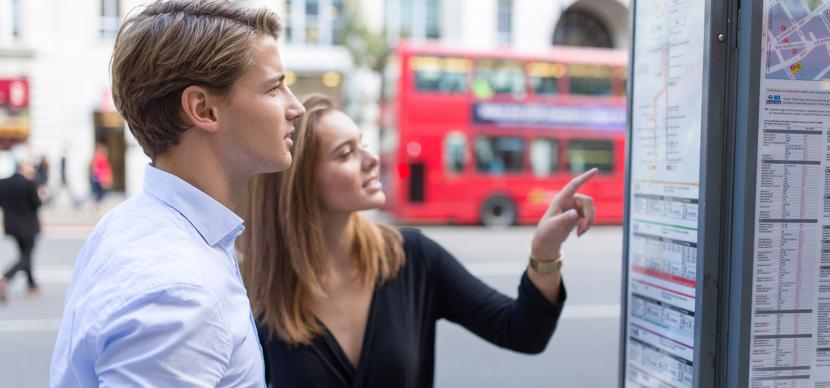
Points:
[(370, 160)]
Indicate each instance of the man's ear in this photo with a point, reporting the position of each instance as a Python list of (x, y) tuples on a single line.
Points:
[(199, 106)]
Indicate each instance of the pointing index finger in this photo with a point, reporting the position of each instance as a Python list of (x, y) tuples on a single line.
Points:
[(570, 189)]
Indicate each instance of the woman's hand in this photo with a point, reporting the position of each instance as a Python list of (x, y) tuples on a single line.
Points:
[(567, 210)]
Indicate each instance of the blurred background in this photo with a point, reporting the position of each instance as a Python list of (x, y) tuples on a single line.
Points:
[(479, 109)]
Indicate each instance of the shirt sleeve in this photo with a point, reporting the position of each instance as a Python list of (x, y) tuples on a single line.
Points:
[(34, 198), (170, 337), (524, 324)]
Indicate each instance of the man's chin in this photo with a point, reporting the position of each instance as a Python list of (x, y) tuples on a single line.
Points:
[(279, 165)]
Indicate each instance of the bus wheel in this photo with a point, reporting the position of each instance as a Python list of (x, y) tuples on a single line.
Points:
[(498, 211)]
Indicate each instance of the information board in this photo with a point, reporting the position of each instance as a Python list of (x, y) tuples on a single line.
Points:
[(665, 137), (790, 316)]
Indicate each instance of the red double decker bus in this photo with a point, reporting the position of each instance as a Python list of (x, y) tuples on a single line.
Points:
[(489, 137)]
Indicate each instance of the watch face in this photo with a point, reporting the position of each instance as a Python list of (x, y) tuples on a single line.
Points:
[(581, 28)]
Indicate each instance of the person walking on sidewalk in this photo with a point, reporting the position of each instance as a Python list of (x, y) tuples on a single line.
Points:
[(20, 200), (156, 298), (100, 174)]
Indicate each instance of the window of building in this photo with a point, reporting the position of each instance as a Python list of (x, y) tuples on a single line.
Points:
[(315, 22), (544, 156), (590, 80), (544, 77), (110, 17), (288, 22), (499, 154), (584, 155), (498, 77), (413, 19), (455, 152), (440, 74), (505, 22), (578, 27), (338, 19), (433, 22), (312, 21), (16, 19)]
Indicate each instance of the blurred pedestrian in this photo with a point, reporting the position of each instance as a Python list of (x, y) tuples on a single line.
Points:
[(42, 178), (156, 299), (100, 173), (343, 301), (64, 184), (20, 201)]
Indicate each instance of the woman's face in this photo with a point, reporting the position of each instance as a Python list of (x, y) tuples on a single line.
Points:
[(348, 173)]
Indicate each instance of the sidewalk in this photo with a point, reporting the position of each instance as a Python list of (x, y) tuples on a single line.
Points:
[(61, 215)]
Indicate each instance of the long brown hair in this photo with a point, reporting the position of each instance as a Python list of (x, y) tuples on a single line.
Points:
[(283, 255)]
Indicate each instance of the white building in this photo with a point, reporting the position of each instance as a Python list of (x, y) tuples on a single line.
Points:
[(63, 49)]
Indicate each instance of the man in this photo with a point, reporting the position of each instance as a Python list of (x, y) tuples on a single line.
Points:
[(20, 201), (156, 299)]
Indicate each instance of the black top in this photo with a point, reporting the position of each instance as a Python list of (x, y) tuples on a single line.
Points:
[(399, 342), (19, 200)]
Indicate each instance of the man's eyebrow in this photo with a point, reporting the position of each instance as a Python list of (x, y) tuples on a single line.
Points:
[(276, 79)]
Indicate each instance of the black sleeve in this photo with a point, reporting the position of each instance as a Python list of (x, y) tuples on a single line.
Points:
[(34, 198), (523, 325)]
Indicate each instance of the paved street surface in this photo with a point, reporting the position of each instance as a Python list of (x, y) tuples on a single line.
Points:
[(582, 353)]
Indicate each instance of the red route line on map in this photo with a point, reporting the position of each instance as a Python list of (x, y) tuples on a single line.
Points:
[(663, 288), (664, 276)]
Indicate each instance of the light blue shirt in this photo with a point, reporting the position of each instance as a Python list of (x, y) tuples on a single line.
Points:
[(156, 298)]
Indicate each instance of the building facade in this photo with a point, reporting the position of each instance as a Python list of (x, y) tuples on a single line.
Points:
[(56, 53)]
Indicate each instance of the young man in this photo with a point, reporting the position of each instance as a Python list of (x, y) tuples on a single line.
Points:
[(156, 298)]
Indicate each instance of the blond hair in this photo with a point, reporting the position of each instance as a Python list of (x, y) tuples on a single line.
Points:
[(283, 260), (174, 44)]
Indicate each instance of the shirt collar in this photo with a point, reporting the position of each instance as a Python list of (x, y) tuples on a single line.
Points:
[(211, 219)]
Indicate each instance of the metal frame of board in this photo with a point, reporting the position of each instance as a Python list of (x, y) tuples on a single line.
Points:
[(715, 184)]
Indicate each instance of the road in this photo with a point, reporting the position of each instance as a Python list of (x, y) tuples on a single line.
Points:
[(583, 352)]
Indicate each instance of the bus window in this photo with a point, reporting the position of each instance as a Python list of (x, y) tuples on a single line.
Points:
[(440, 75), (498, 77), (544, 77), (498, 155), (544, 156), (455, 152), (587, 154), (590, 80)]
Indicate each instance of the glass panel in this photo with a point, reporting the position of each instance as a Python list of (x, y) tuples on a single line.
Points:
[(433, 20), (455, 152), (505, 25), (312, 7), (339, 22), (584, 155), (498, 77), (544, 77), (498, 155), (544, 156), (109, 19), (442, 75), (590, 80)]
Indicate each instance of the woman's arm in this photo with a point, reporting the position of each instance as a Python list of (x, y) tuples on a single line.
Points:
[(523, 325), (526, 323), (567, 210)]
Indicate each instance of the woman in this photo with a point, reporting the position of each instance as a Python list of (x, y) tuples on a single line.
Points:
[(343, 301)]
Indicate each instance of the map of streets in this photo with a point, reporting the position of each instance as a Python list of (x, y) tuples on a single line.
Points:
[(799, 40)]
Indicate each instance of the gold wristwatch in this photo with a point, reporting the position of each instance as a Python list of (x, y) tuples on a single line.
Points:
[(546, 267)]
